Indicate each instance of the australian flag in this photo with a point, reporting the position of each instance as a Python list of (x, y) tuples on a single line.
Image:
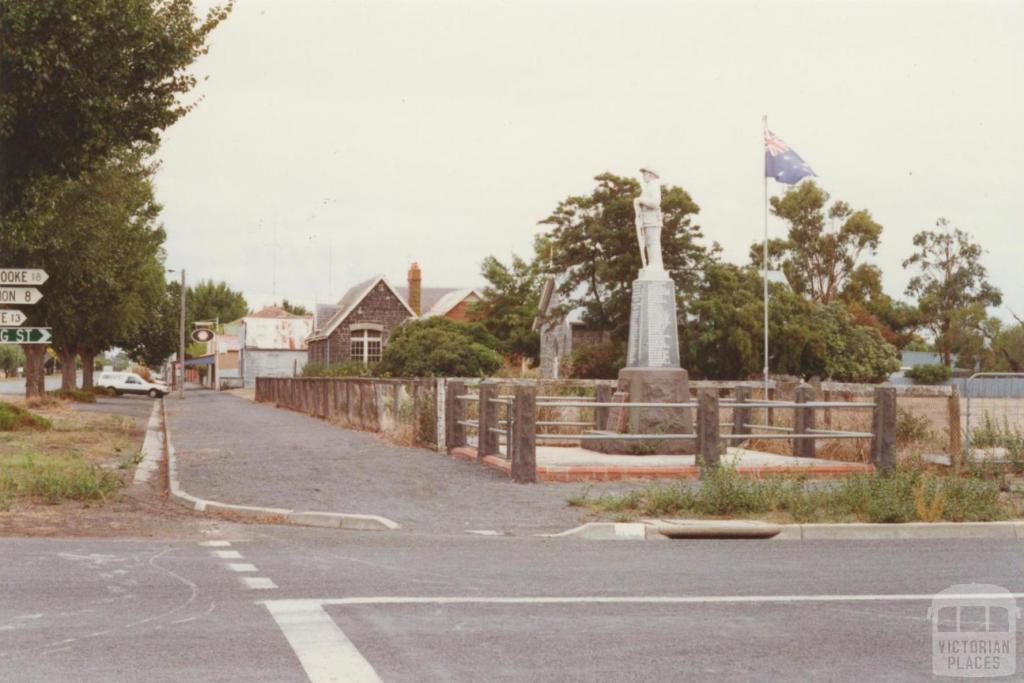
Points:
[(781, 162)]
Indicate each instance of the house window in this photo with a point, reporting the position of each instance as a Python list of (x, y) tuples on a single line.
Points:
[(365, 346)]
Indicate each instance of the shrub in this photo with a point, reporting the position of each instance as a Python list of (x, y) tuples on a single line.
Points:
[(14, 418), (438, 346), (595, 361), (75, 395), (911, 428), (929, 374)]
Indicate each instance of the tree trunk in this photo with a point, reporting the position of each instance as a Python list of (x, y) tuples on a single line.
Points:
[(88, 363), (68, 381), (35, 356)]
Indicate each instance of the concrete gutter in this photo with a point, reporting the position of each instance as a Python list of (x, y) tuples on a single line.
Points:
[(661, 529), (267, 515)]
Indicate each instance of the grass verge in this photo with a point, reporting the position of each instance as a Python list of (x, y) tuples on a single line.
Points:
[(53, 478), (908, 495)]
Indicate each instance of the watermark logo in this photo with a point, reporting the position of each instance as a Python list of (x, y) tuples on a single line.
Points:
[(974, 631)]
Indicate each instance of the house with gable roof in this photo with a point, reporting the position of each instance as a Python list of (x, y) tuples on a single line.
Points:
[(358, 326)]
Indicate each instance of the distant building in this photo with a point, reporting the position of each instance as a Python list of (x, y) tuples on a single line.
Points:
[(271, 343), (560, 333), (358, 326)]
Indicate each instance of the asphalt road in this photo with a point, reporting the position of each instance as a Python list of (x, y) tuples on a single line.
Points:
[(17, 386), (404, 607)]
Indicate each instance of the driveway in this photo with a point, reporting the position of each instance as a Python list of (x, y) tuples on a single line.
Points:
[(234, 451)]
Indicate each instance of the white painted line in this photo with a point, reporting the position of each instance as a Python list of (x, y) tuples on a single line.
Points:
[(241, 567), (215, 544), (258, 582), (639, 600), (326, 654), (227, 554)]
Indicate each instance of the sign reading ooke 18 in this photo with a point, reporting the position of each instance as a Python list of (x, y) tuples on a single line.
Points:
[(15, 289)]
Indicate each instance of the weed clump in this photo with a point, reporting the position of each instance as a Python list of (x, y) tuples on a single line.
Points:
[(52, 479), (75, 395), (15, 418), (906, 495)]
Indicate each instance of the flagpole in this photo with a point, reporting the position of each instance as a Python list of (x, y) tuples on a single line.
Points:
[(764, 136)]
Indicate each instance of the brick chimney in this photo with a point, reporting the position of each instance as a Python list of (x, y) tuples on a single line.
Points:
[(415, 288)]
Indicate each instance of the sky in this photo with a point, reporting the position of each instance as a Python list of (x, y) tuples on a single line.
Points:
[(335, 140)]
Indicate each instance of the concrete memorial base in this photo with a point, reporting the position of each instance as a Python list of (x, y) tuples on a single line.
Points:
[(652, 385)]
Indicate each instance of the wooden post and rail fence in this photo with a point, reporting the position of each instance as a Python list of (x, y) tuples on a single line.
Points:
[(507, 425)]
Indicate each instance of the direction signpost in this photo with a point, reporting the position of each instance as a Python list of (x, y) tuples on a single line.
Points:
[(22, 277), (23, 296), (16, 288), (11, 318), (25, 335)]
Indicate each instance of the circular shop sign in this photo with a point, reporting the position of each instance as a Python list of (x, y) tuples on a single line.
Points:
[(202, 335)]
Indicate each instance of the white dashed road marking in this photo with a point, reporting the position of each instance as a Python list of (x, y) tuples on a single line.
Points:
[(250, 582)]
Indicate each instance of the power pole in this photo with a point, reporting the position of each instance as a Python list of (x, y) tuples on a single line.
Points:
[(181, 349)]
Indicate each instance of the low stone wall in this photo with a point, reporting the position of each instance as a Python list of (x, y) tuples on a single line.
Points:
[(404, 411)]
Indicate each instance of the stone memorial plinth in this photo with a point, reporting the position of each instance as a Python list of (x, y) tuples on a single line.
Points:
[(652, 373)]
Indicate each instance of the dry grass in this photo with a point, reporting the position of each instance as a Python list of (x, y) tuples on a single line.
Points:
[(94, 437)]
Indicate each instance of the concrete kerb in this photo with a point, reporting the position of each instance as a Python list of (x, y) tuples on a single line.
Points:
[(655, 529), (330, 520)]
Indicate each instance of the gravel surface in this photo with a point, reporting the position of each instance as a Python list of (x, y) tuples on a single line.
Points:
[(234, 451)]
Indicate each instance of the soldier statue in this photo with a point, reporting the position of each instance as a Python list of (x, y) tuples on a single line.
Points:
[(647, 208)]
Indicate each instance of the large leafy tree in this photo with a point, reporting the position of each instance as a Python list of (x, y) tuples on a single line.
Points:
[(591, 247), (509, 305), (209, 300), (897, 321), (157, 337), (825, 246), (109, 269), (79, 81), (725, 333), (951, 287)]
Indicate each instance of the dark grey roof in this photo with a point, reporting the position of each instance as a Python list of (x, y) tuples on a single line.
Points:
[(428, 295), (351, 297), (322, 313)]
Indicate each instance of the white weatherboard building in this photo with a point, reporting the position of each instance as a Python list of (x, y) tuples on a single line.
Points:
[(272, 343)]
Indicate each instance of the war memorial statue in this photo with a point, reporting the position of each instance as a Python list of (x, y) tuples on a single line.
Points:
[(652, 373)]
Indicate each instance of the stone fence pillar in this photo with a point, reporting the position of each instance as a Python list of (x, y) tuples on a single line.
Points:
[(454, 410), (523, 438), (883, 446), (487, 441), (602, 394), (803, 422), (707, 428)]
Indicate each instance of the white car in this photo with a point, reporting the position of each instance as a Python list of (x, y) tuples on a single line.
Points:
[(130, 383)]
